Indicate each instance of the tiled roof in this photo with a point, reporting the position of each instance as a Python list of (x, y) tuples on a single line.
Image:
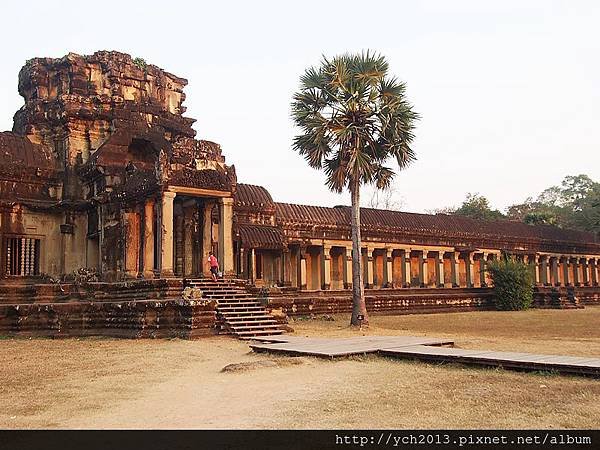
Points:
[(252, 195), (260, 236), (439, 224), (19, 151)]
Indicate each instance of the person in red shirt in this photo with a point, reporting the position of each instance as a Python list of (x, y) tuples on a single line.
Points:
[(214, 265)]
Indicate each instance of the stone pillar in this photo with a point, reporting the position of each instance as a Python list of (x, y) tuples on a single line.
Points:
[(252, 266), (469, 269), (326, 270), (594, 272), (566, 280), (348, 269), (454, 268), (225, 237), (584, 279), (188, 240), (206, 237), (483, 270), (405, 258), (543, 270), (286, 276), (179, 246), (166, 235), (302, 277), (243, 269), (423, 272), (148, 257), (131, 222), (576, 281), (554, 270), (388, 270), (439, 269), (369, 267), (536, 270)]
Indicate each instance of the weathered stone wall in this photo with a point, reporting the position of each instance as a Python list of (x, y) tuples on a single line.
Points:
[(390, 301), (421, 300), (146, 308), (59, 252)]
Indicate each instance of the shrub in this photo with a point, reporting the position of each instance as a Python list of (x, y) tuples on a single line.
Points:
[(513, 284)]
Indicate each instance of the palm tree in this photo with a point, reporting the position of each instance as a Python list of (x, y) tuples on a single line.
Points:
[(354, 118)]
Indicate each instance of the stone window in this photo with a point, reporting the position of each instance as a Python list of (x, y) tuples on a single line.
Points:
[(21, 256)]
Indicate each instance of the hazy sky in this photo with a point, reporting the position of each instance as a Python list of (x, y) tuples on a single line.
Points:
[(508, 91)]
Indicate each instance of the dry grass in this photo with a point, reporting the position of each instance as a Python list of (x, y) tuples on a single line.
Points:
[(108, 383)]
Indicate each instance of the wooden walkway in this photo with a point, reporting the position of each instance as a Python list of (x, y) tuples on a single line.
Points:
[(426, 349), (331, 348)]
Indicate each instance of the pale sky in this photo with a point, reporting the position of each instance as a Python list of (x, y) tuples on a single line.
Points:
[(508, 91)]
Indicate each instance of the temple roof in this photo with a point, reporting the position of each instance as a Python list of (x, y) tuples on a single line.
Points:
[(439, 224), (253, 196), (17, 150), (260, 236)]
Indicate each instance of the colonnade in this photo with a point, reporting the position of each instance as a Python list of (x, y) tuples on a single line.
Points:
[(152, 232), (325, 267)]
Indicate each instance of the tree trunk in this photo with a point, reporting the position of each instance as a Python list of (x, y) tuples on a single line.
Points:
[(359, 307)]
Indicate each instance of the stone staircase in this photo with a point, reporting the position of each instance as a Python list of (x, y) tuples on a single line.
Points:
[(238, 312)]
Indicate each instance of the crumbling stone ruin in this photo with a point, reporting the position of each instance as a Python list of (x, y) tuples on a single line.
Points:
[(105, 193)]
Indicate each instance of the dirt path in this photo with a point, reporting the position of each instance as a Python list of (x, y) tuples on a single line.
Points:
[(106, 383)]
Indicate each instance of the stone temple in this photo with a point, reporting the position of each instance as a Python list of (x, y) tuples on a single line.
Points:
[(110, 205)]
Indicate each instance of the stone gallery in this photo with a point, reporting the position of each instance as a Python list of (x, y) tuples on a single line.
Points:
[(110, 206)]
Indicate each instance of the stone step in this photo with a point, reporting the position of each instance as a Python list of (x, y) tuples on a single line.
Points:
[(252, 327), (235, 314), (251, 320), (251, 334)]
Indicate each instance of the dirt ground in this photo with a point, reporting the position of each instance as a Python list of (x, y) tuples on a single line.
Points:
[(110, 383)]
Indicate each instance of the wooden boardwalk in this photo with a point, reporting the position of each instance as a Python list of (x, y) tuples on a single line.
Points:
[(426, 349), (331, 348)]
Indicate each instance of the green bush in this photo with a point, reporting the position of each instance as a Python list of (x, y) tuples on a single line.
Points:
[(513, 284)]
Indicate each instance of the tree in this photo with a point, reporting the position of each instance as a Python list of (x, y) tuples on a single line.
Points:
[(575, 203), (354, 118), (475, 206)]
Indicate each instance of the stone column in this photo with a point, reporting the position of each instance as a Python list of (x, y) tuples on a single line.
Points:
[(469, 269), (405, 261), (369, 267), (252, 266), (594, 264), (537, 263), (206, 237), (243, 264), (286, 276), (302, 278), (348, 268), (188, 240), (566, 280), (423, 273), (554, 270), (131, 222), (440, 269), (166, 235), (148, 258), (225, 237), (575, 269), (326, 271), (454, 269), (543, 270), (179, 246), (388, 269), (483, 270), (584, 280)]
